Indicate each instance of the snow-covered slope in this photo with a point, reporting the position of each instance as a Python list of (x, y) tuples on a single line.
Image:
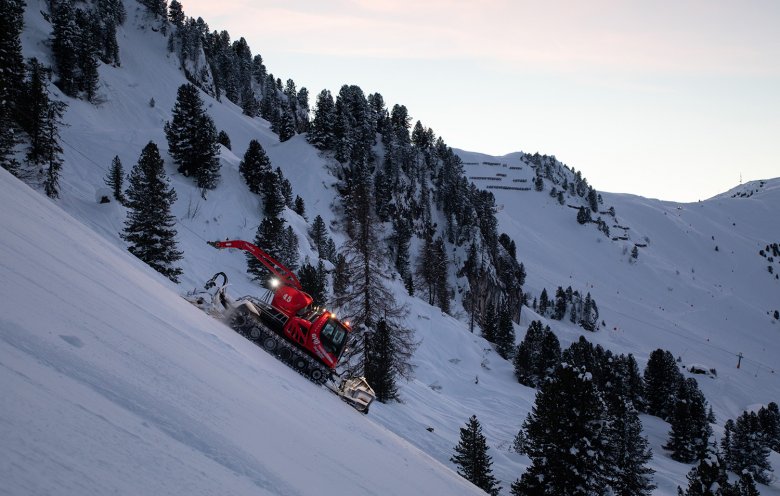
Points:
[(115, 384)]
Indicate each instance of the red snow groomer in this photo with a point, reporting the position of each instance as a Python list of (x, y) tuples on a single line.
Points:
[(309, 339)]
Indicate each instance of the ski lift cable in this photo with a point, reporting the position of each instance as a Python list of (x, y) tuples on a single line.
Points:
[(696, 340)]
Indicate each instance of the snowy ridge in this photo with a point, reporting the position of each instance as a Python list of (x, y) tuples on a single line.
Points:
[(112, 383)]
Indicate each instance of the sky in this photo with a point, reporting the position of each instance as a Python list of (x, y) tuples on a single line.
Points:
[(665, 99)]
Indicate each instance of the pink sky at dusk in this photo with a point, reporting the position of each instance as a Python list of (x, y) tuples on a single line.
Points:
[(631, 93)]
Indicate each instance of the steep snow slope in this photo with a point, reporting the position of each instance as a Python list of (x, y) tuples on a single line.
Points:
[(111, 383), (680, 294), (705, 305)]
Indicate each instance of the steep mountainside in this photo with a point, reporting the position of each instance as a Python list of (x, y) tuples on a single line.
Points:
[(115, 384)]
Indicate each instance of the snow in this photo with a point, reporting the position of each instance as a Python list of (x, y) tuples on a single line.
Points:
[(112, 383)]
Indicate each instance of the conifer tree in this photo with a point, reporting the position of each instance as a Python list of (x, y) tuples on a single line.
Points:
[(544, 302), (312, 283), (249, 103), (380, 357), (726, 443), (64, 45), (8, 141), (593, 201), (472, 459), (286, 124), (441, 284), (322, 280), (289, 254), (583, 216), (192, 138), (110, 53), (749, 451), (302, 111), (321, 132), (690, 433), (86, 55), (746, 485), (176, 13), (662, 379), (149, 225), (341, 280), (51, 159), (566, 437), (582, 353), (589, 320), (630, 474), (330, 251), (632, 381), (490, 323), (769, 419), (299, 207), (285, 188), (319, 235), (368, 299), (11, 59), (255, 167), (505, 333), (115, 180), (537, 355), (41, 121), (224, 140), (708, 478), (560, 304), (426, 266), (270, 237)]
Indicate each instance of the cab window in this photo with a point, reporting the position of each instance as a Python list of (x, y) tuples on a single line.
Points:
[(332, 337)]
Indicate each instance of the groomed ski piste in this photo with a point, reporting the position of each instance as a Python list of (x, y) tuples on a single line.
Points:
[(112, 383)]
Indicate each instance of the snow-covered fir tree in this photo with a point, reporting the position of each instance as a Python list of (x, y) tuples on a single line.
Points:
[(629, 473), (566, 437), (690, 433), (192, 138), (269, 237), (708, 478), (662, 380), (149, 228), (769, 420), (224, 140), (255, 167), (289, 253), (748, 450), (472, 459), (537, 355)]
